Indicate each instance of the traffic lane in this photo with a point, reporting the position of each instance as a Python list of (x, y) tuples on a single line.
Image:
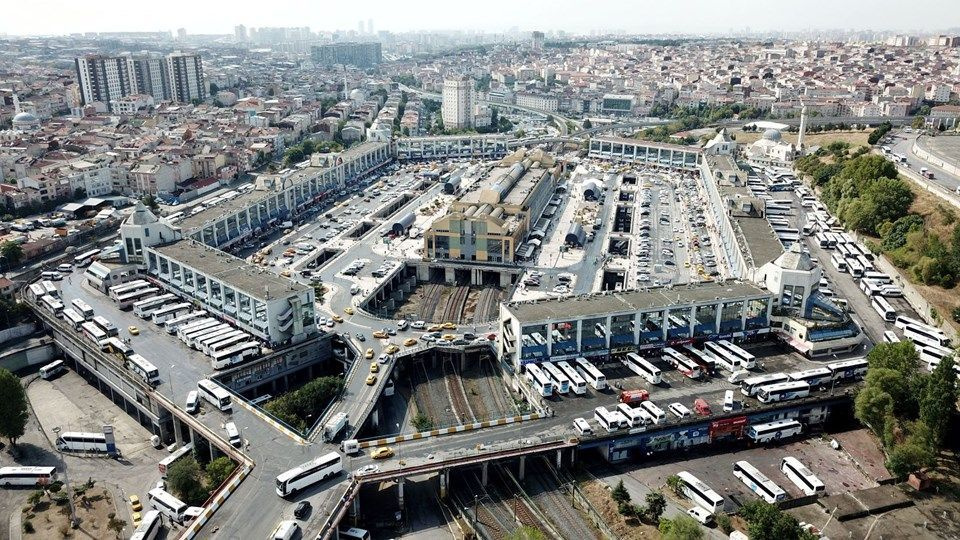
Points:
[(904, 146)]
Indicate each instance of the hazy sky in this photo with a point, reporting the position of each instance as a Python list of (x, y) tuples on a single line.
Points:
[(642, 16)]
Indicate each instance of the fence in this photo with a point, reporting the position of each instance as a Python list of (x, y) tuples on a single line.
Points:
[(587, 508)]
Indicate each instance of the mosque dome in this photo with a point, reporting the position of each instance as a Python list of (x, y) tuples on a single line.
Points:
[(772, 135)]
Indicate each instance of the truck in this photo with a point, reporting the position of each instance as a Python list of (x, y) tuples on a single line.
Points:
[(333, 427), (701, 406), (634, 396)]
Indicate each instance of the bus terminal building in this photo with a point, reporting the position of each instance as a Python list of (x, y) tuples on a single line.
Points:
[(609, 323)]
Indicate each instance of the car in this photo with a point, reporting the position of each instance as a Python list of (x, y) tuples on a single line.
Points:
[(135, 504), (337, 319), (371, 379), (448, 337), (193, 402), (367, 469), (368, 354), (382, 453), (384, 358), (409, 342), (420, 324), (374, 367), (434, 328), (348, 310), (303, 508), (469, 336), (322, 321), (330, 323), (134, 331), (65, 268), (402, 325), (380, 334), (391, 349), (448, 326), (428, 337), (361, 337), (701, 515), (137, 518)]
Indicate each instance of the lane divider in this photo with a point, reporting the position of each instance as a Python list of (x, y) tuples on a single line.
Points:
[(447, 431), (216, 503), (266, 418)]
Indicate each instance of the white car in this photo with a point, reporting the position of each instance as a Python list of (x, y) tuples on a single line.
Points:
[(702, 516), (367, 469), (417, 325)]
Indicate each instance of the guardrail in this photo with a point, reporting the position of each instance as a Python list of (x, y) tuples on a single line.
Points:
[(450, 430)]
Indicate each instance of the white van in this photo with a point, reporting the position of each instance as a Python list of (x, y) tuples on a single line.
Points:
[(402, 325), (286, 530), (738, 376), (193, 402), (582, 426), (354, 289), (233, 435), (350, 446), (728, 401), (680, 410)]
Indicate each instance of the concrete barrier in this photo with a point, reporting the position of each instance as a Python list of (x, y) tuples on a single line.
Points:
[(922, 151), (266, 418), (216, 502), (447, 431)]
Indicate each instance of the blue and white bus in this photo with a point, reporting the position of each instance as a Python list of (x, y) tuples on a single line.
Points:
[(749, 387), (774, 431), (610, 420), (561, 383), (539, 380), (577, 383), (758, 482), (854, 369), (813, 377), (591, 374), (784, 391)]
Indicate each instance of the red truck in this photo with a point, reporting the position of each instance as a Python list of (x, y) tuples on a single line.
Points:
[(702, 407), (634, 396)]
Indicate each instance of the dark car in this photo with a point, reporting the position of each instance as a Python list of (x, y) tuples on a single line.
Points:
[(469, 336), (303, 508), (361, 337)]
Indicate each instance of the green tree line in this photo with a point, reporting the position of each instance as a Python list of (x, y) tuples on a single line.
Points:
[(303, 406)]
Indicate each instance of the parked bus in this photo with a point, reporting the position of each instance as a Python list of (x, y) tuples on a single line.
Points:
[(73, 441), (932, 355), (889, 336), (747, 360), (609, 420), (174, 324), (188, 329), (225, 342), (180, 453), (539, 380), (577, 383), (708, 365), (85, 258), (167, 504), (309, 473), (170, 311), (71, 316), (643, 368), (116, 346), (150, 526), (52, 304), (124, 288), (142, 367), (758, 482), (683, 364), (82, 308), (749, 387), (881, 306), (354, 533), (94, 333), (839, 262), (700, 493), (902, 321), (656, 413), (775, 430), (234, 355), (813, 377), (27, 476), (871, 287), (926, 335), (37, 291), (879, 277), (52, 370), (854, 267), (849, 370), (214, 331), (108, 327), (635, 417), (127, 300), (591, 374), (560, 381), (801, 476), (215, 394), (144, 308), (50, 289), (784, 391)]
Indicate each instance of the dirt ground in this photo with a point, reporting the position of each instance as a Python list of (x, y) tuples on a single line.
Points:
[(855, 138), (93, 510), (599, 496)]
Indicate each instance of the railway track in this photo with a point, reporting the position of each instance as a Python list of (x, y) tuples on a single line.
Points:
[(454, 306), (431, 297), (493, 515), (487, 305), (490, 375), (545, 491), (424, 399), (525, 515), (458, 397)]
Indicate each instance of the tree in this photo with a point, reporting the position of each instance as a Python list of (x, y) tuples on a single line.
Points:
[(656, 504), (620, 493), (183, 478), (901, 357), (587, 124), (116, 525), (939, 400), (724, 523), (872, 406), (421, 422), (13, 407), (219, 470), (767, 522), (682, 527), (526, 532), (675, 484), (11, 252), (909, 457), (150, 202)]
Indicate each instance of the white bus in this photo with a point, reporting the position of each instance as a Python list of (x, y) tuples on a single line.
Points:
[(889, 336), (170, 311), (124, 288), (932, 355), (173, 325), (784, 391), (801, 476), (52, 304), (215, 394), (94, 333), (213, 331), (539, 380), (871, 287), (656, 413), (143, 308), (591, 374), (189, 329), (680, 361), (749, 387), (707, 364), (167, 504), (722, 356), (849, 370), (86, 257), (50, 289), (643, 368), (127, 300), (577, 384), (180, 453), (37, 290), (839, 262), (52, 369), (142, 367), (902, 321), (74, 441), (813, 377), (879, 277), (27, 476), (309, 473), (881, 306), (610, 420), (758, 482), (700, 493), (150, 526), (354, 533), (116, 346), (224, 341), (234, 355), (854, 267), (71, 316), (82, 308), (926, 335), (560, 381), (106, 326), (635, 417), (772, 431)]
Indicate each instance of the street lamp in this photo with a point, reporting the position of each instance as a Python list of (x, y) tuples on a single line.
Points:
[(399, 446), (66, 481)]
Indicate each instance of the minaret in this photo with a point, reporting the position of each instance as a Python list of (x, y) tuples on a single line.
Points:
[(16, 104), (803, 129)]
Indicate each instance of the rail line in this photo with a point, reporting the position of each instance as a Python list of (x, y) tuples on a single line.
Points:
[(490, 375), (525, 514), (458, 397), (545, 491)]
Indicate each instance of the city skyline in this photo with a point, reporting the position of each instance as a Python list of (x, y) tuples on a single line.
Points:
[(429, 15)]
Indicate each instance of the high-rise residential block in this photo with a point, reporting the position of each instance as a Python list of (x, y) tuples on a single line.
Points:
[(361, 55), (458, 103)]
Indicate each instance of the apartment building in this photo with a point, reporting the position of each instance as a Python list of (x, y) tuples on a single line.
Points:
[(459, 99)]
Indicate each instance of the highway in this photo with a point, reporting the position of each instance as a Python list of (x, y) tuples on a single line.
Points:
[(903, 144)]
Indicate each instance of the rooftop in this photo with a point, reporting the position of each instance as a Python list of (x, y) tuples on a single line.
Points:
[(237, 273), (601, 304)]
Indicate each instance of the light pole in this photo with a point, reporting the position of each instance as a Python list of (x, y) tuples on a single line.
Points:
[(173, 393), (66, 481), (399, 446)]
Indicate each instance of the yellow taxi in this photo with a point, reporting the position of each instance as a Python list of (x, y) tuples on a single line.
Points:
[(409, 342), (449, 337), (374, 368), (382, 453), (391, 349), (435, 328), (137, 518), (134, 331), (371, 379), (448, 326), (380, 334), (369, 354), (348, 310), (285, 273), (337, 319), (135, 503)]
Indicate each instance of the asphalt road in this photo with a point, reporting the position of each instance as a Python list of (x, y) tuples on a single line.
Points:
[(903, 144)]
